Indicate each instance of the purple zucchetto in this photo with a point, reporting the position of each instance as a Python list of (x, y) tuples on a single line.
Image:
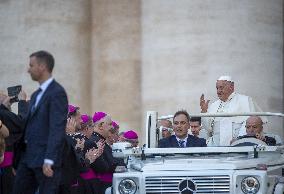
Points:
[(115, 125), (131, 134), (98, 116), (72, 108), (85, 118)]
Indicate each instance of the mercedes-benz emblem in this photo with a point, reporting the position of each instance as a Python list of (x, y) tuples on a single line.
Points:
[(187, 186)]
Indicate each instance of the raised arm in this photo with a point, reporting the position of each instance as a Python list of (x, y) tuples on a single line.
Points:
[(203, 104)]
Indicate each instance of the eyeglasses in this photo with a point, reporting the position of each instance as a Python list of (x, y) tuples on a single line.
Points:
[(165, 129), (181, 122)]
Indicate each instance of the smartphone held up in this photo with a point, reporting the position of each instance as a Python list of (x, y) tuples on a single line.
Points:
[(14, 91)]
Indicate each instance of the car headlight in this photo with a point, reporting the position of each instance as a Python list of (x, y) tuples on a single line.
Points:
[(127, 186), (250, 185)]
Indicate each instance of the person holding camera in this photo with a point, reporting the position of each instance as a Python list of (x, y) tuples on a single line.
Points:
[(41, 145), (14, 124)]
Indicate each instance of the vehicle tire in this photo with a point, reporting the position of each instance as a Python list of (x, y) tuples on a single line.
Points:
[(279, 189)]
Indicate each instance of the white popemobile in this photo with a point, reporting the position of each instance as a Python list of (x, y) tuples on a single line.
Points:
[(254, 169)]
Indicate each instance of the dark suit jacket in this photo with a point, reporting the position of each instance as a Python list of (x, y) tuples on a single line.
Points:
[(45, 127), (192, 141), (71, 163), (105, 162)]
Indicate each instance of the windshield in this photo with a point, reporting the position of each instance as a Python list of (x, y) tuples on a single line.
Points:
[(212, 130)]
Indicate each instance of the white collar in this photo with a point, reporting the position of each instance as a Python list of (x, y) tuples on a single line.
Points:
[(229, 98), (45, 84), (185, 139)]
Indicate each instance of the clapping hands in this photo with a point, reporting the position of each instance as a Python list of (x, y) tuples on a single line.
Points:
[(70, 126), (93, 153), (79, 144)]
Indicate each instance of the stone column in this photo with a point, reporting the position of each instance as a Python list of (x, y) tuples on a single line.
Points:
[(116, 42), (60, 27)]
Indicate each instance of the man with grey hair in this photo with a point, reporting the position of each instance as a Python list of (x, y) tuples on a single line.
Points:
[(165, 128), (105, 164), (221, 130)]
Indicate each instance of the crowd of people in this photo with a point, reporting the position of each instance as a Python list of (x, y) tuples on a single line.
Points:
[(87, 163), (50, 147)]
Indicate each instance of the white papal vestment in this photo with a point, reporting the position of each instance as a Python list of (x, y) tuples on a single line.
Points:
[(230, 127)]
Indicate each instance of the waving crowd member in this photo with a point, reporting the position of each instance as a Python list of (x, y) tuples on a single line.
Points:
[(229, 102)]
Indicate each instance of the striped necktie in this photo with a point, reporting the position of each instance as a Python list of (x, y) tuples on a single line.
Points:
[(181, 143)]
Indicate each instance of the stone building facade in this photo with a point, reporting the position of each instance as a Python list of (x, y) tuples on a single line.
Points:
[(125, 57)]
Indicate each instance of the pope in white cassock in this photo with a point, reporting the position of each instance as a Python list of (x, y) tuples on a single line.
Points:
[(221, 130)]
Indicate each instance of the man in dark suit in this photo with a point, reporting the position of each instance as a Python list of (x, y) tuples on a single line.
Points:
[(181, 138), (43, 138)]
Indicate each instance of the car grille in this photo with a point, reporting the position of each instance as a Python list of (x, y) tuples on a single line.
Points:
[(204, 184)]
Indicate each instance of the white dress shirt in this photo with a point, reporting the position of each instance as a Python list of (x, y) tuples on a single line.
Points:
[(185, 141), (43, 88)]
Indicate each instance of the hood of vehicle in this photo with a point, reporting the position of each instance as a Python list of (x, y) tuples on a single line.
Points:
[(207, 162)]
